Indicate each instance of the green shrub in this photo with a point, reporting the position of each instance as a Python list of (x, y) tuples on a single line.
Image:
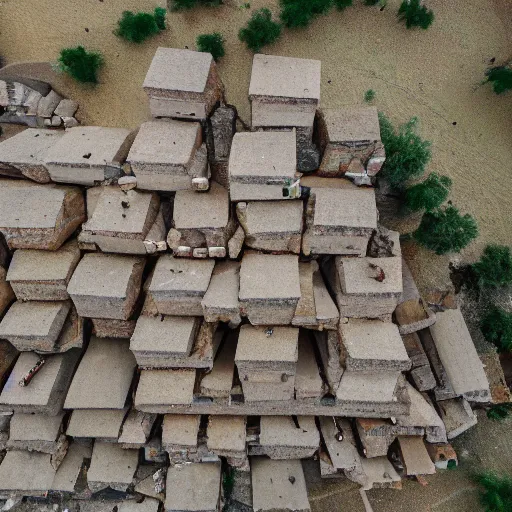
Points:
[(415, 15), (342, 4), (160, 13), (501, 78), (80, 64), (406, 153), (369, 95), (496, 495), (371, 2), (182, 5), (428, 194), (445, 230), (137, 27), (496, 326), (300, 13), (494, 268), (499, 411), (260, 30), (211, 43)]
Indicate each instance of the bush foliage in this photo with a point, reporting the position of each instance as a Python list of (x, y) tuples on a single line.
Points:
[(342, 4), (496, 495), (501, 79), (137, 27), (446, 230), (300, 13), (496, 326), (80, 64), (406, 153), (182, 5), (415, 15), (260, 30), (495, 267), (369, 95), (211, 43), (428, 194), (499, 411)]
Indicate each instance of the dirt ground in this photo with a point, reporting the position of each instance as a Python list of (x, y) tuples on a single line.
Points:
[(434, 74)]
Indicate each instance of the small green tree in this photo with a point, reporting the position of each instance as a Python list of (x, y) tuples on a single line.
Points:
[(160, 13), (342, 4), (496, 493), (415, 15), (182, 5), (446, 230), (137, 27), (300, 13), (371, 2), (428, 194), (211, 43), (496, 326), (499, 411), (501, 78), (260, 30), (406, 153), (80, 64), (495, 267), (369, 95)]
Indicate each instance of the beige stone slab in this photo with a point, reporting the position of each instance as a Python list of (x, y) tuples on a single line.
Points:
[(457, 416), (157, 387), (415, 456), (104, 376), (219, 381), (353, 124), (327, 313), (284, 432), (367, 387), (272, 217), (305, 313), (104, 424), (27, 428), (136, 428), (67, 475), (226, 434), (148, 505), (180, 430), (340, 443)]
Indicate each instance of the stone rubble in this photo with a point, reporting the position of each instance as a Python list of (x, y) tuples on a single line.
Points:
[(194, 309)]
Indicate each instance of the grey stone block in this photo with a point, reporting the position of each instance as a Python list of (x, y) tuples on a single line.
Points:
[(35, 432), (226, 435), (179, 431)]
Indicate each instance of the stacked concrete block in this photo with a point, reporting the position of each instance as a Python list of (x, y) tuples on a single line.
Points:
[(126, 222), (100, 424), (88, 155), (261, 164), (339, 221), (351, 143), (267, 362), (202, 223), (227, 437), (39, 216), (136, 429), (182, 84), (421, 373), (179, 437), (168, 156)]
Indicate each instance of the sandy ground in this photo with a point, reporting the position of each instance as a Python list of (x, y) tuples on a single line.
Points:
[(434, 74)]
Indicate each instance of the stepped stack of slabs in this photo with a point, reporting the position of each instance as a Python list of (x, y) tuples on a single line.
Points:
[(164, 324)]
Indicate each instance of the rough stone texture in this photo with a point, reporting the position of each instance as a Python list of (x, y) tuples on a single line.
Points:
[(104, 376), (350, 141), (236, 243), (178, 285), (106, 286), (328, 344), (223, 127), (339, 221), (457, 416), (136, 429), (278, 485), (103, 424), (269, 288), (180, 431), (274, 226), (308, 383), (283, 438), (22, 155), (39, 216), (199, 488), (86, 155), (459, 357), (6, 292), (340, 443), (226, 435), (415, 456), (284, 91), (260, 164), (182, 83), (71, 467), (368, 345), (49, 103), (66, 108), (220, 302), (423, 378), (163, 153), (46, 392), (34, 432), (376, 436), (305, 313), (111, 466), (43, 275), (110, 328)]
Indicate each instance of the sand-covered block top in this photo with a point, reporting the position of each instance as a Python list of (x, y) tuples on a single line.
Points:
[(126, 214), (29, 147), (207, 210), (171, 143), (285, 77), (174, 69), (181, 277), (87, 146), (180, 430), (360, 276), (269, 276), (257, 156), (169, 334), (352, 124), (160, 387), (104, 376), (352, 209), (256, 345), (273, 217), (35, 427)]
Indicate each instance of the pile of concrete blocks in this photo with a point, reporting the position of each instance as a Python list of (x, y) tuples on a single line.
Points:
[(35, 104), (165, 324)]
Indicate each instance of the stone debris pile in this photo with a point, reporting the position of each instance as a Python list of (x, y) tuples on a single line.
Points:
[(186, 306)]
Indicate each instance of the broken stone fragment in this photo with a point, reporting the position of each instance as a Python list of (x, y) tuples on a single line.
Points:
[(236, 243), (223, 128), (136, 429), (127, 182), (48, 104), (66, 108), (102, 424), (226, 435), (415, 456), (457, 416)]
